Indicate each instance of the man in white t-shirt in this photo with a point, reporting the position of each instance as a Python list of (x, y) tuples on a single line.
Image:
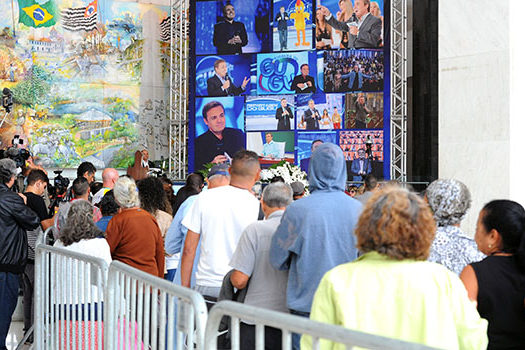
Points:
[(218, 217)]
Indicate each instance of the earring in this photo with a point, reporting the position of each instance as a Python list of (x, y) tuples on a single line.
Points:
[(490, 245)]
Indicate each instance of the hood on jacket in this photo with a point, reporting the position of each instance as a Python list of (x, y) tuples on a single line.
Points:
[(327, 169)]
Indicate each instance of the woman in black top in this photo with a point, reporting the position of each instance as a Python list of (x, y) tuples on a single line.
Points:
[(323, 32), (497, 283)]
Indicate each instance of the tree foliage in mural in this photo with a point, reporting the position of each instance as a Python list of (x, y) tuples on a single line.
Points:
[(34, 88)]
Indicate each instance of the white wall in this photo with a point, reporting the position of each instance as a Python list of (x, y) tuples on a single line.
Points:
[(474, 86), (517, 101)]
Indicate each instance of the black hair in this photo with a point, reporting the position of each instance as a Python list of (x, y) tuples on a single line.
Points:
[(86, 167), (304, 64), (152, 195), (370, 182), (209, 106), (194, 184), (314, 141), (80, 186), (95, 187), (508, 218), (35, 175), (108, 206), (244, 163)]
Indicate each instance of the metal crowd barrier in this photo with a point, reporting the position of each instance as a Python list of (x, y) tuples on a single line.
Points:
[(68, 298), (289, 323), (146, 312)]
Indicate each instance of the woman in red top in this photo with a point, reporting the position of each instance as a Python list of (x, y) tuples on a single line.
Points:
[(133, 234)]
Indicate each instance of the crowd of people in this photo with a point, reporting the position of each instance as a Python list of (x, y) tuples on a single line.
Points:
[(388, 261), (355, 72)]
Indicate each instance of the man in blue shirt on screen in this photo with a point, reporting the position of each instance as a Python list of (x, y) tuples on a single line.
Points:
[(218, 143), (270, 148)]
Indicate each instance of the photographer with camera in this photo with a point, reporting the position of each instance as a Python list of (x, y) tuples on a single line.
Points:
[(15, 219), (37, 182)]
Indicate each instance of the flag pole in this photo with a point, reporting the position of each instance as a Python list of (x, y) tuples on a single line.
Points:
[(13, 17)]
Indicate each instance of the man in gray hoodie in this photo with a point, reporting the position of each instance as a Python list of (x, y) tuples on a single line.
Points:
[(316, 232)]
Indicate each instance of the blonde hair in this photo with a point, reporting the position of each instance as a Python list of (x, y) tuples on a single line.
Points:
[(126, 192)]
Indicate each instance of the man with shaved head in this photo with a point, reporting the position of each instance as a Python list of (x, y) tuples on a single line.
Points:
[(109, 177), (217, 218)]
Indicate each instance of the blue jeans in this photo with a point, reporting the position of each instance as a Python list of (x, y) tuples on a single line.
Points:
[(9, 284), (296, 338), (170, 276), (283, 38)]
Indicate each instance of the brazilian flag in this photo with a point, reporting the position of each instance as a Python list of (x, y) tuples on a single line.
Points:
[(33, 14)]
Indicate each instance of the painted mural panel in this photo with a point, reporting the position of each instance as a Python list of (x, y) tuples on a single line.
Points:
[(87, 79)]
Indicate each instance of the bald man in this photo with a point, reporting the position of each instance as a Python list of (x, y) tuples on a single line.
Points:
[(109, 177)]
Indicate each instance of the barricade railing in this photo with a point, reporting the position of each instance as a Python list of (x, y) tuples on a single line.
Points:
[(68, 299), (146, 312), (289, 323)]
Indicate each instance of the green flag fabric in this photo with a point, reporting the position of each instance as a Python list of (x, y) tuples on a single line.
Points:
[(36, 15)]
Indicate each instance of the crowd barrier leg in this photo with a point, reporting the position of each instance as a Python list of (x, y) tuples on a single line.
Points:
[(146, 312), (69, 298)]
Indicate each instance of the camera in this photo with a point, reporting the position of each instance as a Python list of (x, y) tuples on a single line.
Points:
[(57, 191), (19, 155), (7, 99)]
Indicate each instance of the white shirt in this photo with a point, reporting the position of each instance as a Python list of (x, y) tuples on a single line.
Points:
[(219, 215), (96, 247)]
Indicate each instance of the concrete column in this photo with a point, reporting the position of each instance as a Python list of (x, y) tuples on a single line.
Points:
[(474, 104)]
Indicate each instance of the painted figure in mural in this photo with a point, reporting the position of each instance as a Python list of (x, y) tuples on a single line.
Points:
[(282, 26), (219, 143), (300, 17), (363, 27), (229, 36), (303, 83), (221, 84)]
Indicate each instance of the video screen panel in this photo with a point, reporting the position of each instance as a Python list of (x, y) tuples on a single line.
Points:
[(287, 73)]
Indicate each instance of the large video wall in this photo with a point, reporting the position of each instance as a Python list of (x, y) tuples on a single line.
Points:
[(274, 76)]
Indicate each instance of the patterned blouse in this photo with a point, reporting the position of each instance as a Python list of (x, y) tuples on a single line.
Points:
[(453, 249)]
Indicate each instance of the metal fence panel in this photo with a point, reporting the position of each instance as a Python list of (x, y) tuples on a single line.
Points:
[(68, 298), (289, 323), (146, 312)]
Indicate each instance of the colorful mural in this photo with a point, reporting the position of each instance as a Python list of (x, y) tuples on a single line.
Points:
[(87, 80)]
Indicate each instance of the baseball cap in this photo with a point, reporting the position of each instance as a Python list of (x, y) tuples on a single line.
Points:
[(219, 169)]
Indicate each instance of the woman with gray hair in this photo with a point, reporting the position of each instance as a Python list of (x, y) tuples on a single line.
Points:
[(81, 235), (449, 201), (133, 234)]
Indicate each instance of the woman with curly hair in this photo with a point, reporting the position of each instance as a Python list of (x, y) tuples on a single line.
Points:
[(153, 199), (81, 235), (391, 290), (133, 234)]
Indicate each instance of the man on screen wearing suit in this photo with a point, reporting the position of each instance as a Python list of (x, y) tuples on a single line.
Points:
[(305, 162), (311, 116), (303, 83), (219, 142), (363, 27), (220, 84), (229, 36), (283, 114), (361, 166), (282, 26)]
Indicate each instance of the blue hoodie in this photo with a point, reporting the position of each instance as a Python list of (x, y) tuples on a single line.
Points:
[(316, 232)]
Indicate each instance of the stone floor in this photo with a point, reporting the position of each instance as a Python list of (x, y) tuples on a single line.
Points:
[(16, 333)]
